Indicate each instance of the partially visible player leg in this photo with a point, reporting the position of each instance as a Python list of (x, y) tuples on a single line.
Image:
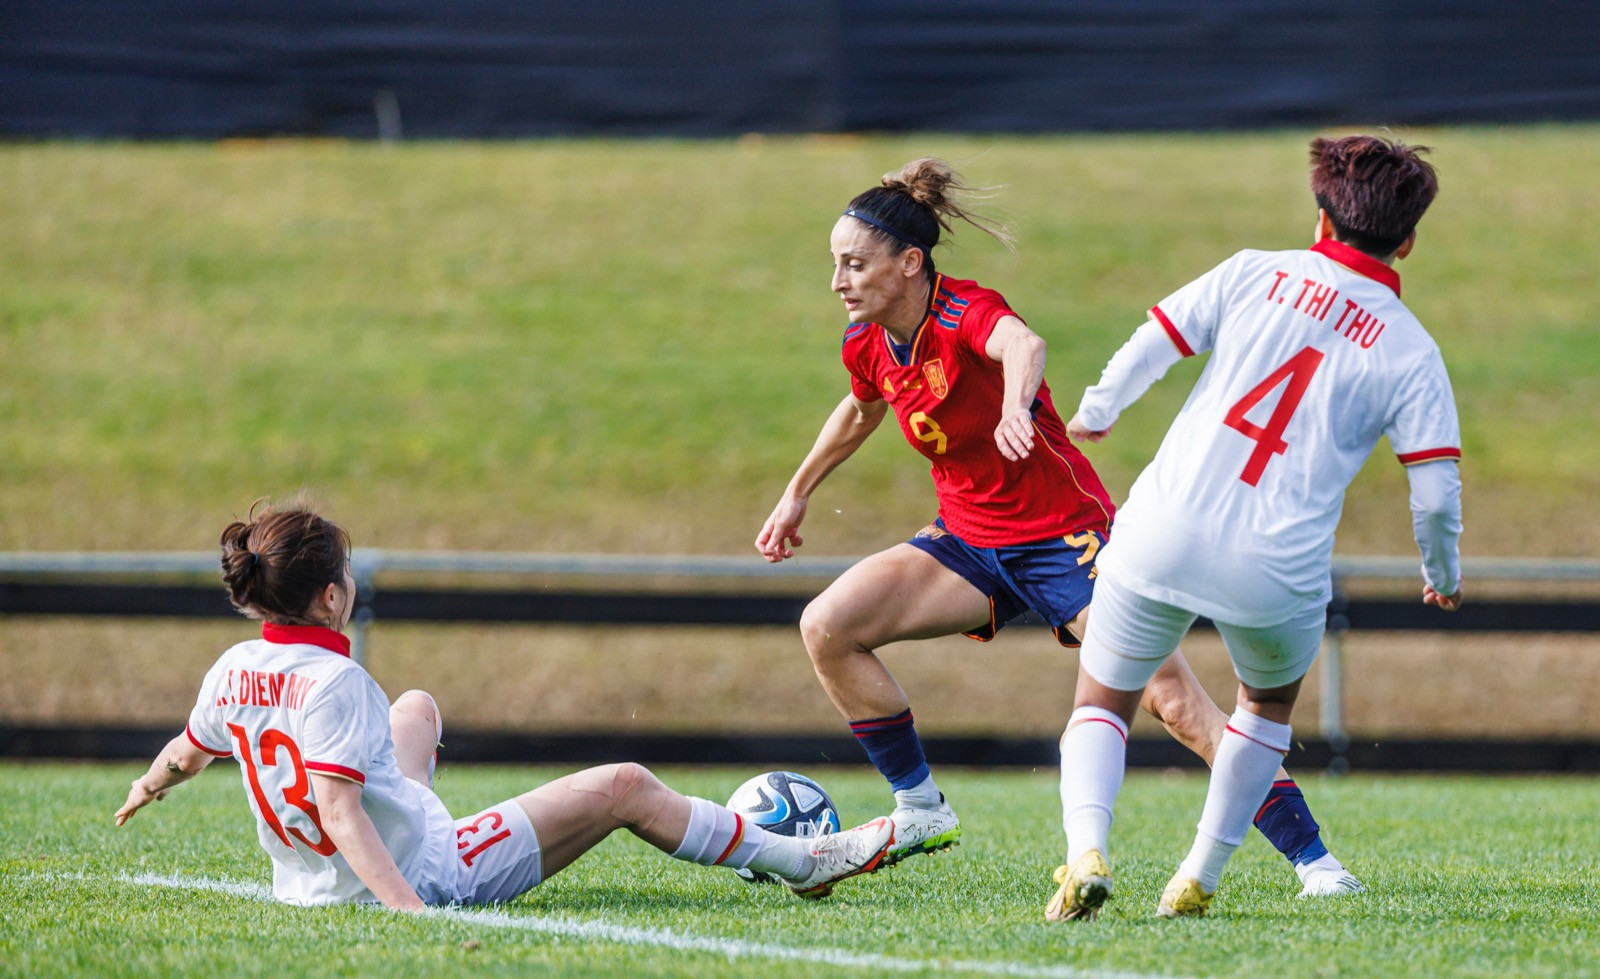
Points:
[(1176, 699), (415, 726), (1093, 760), (1270, 663), (1253, 744), (574, 813), (897, 594), (1125, 642)]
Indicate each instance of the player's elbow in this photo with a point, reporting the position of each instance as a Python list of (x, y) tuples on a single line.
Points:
[(1436, 496), (185, 765), (1428, 510), (181, 758)]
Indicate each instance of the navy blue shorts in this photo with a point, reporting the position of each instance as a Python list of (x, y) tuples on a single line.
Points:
[(1053, 577)]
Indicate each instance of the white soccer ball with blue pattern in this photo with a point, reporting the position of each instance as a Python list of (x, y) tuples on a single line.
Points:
[(786, 803)]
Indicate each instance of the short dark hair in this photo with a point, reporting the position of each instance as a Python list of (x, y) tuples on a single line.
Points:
[(277, 563), (1374, 190)]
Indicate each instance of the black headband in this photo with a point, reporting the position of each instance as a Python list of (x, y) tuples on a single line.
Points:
[(886, 229)]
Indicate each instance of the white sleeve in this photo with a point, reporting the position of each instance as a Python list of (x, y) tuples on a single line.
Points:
[(1422, 424), (1142, 361), (205, 728), (346, 720), (1192, 316), (1436, 521)]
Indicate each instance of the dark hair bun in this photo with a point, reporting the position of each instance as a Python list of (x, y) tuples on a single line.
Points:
[(278, 563), (239, 563), (925, 180), (919, 202)]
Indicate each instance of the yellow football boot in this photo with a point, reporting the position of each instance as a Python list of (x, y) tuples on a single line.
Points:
[(1084, 887), (1183, 898)]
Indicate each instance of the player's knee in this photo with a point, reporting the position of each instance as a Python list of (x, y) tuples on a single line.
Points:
[(1166, 702), (418, 702), (820, 629), (633, 793), (1186, 712)]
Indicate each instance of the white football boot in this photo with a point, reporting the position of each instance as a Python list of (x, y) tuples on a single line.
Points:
[(923, 831), (1331, 883), (840, 856)]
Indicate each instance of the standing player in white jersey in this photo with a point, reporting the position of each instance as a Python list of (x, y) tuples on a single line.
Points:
[(340, 782), (1313, 358)]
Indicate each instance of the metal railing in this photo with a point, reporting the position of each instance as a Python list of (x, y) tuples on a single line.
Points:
[(705, 607)]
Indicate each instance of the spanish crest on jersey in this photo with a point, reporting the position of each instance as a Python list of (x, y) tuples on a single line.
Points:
[(946, 394)]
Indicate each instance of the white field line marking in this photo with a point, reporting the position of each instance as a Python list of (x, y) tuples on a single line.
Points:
[(601, 931)]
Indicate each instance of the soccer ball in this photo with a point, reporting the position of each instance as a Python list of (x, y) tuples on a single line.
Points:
[(785, 803)]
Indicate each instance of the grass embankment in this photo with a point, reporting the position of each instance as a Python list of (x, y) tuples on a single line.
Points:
[(628, 346)]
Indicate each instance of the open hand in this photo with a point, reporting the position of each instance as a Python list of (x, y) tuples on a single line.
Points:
[(138, 798)]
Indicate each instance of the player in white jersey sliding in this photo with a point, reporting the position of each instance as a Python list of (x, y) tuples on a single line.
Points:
[(1313, 358), (340, 782)]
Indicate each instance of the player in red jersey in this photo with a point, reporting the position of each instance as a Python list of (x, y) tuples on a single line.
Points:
[(1022, 514), (341, 783)]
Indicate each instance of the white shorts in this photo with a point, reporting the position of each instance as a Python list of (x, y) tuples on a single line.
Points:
[(486, 858), (1130, 636)]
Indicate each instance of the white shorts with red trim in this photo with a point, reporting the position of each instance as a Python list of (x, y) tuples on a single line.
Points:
[(1130, 636), (487, 858)]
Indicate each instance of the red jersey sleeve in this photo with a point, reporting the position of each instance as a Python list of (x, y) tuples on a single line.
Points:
[(975, 309), (852, 352)]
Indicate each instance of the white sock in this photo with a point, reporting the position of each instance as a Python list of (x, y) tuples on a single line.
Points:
[(719, 837), (1094, 754), (1248, 757), (1205, 861), (923, 795)]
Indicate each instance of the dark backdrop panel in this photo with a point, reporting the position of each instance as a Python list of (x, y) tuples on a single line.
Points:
[(494, 68), (455, 68), (1023, 65)]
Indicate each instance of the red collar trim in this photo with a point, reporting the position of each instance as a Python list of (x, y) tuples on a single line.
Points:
[(1359, 262), (306, 635)]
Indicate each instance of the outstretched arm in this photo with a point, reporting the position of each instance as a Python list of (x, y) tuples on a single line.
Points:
[(1143, 360), (178, 762), (841, 435), (1021, 355), (1436, 522), (351, 830)]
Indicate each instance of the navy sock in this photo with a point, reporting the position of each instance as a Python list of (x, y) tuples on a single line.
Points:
[(893, 746), (1285, 819)]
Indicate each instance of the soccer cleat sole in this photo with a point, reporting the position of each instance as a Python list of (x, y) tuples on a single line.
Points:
[(936, 844), (1078, 899)]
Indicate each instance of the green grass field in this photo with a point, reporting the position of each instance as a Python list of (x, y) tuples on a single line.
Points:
[(1485, 877), (628, 346)]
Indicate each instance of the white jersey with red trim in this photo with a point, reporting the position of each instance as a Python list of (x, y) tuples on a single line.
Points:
[(1313, 358), (293, 703)]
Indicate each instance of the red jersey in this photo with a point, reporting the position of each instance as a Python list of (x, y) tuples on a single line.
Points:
[(947, 395)]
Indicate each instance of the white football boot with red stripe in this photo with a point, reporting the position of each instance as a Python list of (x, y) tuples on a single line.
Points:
[(840, 856)]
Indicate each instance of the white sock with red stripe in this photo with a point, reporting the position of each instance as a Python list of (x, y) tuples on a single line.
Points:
[(1251, 750), (1094, 754), (719, 837)]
